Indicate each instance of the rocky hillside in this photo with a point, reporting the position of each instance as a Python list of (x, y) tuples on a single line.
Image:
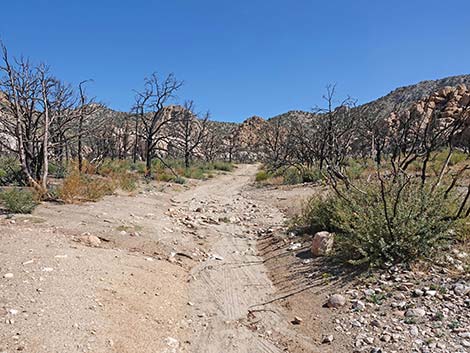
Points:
[(405, 96), (448, 91)]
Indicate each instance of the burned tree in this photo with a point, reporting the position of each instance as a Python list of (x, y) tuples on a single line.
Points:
[(32, 100), (150, 104), (189, 131)]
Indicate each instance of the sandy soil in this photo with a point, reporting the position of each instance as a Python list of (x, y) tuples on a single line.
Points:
[(179, 269)]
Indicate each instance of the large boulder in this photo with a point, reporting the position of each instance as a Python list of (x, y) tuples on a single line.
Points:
[(322, 243)]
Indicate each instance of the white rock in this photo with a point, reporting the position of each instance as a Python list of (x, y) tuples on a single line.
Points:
[(8, 275), (172, 342), (294, 246), (358, 305), (322, 243)]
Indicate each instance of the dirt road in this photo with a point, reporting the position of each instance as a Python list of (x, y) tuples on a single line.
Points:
[(177, 270)]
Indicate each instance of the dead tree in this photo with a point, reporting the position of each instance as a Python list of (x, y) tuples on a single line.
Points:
[(190, 131), (150, 104), (87, 108), (31, 97)]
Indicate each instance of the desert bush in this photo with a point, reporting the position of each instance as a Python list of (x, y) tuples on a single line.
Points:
[(311, 175), (80, 187), (109, 167), (192, 172), (127, 181), (462, 230), (355, 169), (164, 176), (292, 176), (179, 180), (57, 170), (400, 223), (18, 200), (10, 171), (262, 175), (223, 166), (138, 167), (316, 214)]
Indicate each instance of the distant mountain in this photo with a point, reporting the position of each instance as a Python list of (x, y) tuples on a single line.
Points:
[(403, 97), (413, 93)]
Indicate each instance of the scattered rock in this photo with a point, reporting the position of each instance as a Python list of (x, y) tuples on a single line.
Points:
[(297, 320), (322, 243), (327, 339), (294, 246), (336, 301), (461, 289), (416, 312), (90, 240), (358, 305)]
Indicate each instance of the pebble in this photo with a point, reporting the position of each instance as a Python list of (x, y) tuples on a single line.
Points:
[(417, 312), (8, 275), (358, 305), (297, 320)]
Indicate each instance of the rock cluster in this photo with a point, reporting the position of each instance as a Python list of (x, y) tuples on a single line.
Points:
[(403, 310), (447, 105)]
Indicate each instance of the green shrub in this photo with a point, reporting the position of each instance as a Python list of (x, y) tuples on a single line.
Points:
[(316, 214), (110, 166), (194, 173), (292, 176), (414, 223), (10, 171), (57, 170), (19, 200), (311, 175), (138, 167), (164, 176), (127, 181), (223, 166), (262, 175), (179, 180), (355, 169)]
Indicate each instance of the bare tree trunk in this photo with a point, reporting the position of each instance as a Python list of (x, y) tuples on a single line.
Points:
[(148, 158), (45, 142), (79, 145)]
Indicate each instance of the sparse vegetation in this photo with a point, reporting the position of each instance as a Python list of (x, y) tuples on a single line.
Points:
[(10, 171), (404, 224), (18, 200), (78, 187)]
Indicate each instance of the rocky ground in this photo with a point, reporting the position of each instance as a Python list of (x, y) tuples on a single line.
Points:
[(422, 309), (208, 267)]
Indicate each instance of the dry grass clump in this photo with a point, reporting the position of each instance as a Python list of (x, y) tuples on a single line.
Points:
[(78, 188)]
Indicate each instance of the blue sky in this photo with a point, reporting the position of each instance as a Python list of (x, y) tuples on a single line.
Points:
[(243, 58)]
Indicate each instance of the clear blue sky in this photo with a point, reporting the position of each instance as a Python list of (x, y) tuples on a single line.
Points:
[(246, 57)]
